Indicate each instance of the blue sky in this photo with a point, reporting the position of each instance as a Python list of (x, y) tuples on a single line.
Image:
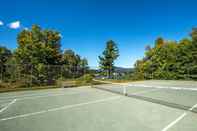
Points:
[(87, 24)]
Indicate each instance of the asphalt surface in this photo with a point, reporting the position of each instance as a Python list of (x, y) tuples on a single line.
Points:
[(88, 109)]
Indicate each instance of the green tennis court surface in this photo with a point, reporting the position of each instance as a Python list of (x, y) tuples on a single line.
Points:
[(145, 108)]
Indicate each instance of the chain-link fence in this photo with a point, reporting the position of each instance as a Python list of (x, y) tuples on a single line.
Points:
[(38, 75)]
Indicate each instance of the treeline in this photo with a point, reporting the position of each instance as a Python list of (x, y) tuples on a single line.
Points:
[(38, 59), (169, 60)]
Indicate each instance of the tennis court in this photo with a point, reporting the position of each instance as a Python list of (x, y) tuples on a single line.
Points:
[(139, 106)]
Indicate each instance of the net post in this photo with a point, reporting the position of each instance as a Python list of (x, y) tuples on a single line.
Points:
[(91, 85), (125, 90)]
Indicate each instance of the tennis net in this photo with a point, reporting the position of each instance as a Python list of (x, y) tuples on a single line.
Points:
[(175, 97)]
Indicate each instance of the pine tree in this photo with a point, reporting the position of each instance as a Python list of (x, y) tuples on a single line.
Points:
[(109, 55)]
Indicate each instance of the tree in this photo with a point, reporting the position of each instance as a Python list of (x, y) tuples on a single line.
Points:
[(159, 42), (193, 51), (69, 61), (184, 58), (74, 66), (84, 64), (109, 55), (170, 59), (5, 54), (38, 48)]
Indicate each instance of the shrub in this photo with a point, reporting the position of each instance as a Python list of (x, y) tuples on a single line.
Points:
[(85, 79)]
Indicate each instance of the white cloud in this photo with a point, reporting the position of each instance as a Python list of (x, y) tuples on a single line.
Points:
[(14, 25), (60, 35), (1, 23)]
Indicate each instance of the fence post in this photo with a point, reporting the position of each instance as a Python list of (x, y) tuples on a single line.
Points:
[(31, 74), (61, 72), (1, 73), (61, 77)]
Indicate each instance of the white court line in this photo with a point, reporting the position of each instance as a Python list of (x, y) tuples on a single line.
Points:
[(146, 91), (6, 107), (42, 96), (178, 119), (31, 95), (164, 87), (61, 108), (143, 85), (125, 86), (17, 96), (193, 107), (174, 122), (38, 96)]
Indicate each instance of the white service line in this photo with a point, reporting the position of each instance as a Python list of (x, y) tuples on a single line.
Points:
[(195, 106), (61, 108), (146, 91), (12, 102), (178, 119)]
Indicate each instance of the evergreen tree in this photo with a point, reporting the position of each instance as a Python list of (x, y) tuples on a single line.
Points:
[(109, 55), (5, 54)]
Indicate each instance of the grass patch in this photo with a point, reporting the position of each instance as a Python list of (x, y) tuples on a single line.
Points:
[(11, 89), (117, 81), (86, 80)]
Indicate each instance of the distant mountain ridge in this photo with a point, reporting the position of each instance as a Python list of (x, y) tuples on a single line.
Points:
[(123, 69), (117, 69)]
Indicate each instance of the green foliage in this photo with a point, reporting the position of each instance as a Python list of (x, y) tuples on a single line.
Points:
[(38, 46), (74, 65), (5, 54), (36, 49), (109, 55), (38, 59), (169, 60), (85, 79)]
